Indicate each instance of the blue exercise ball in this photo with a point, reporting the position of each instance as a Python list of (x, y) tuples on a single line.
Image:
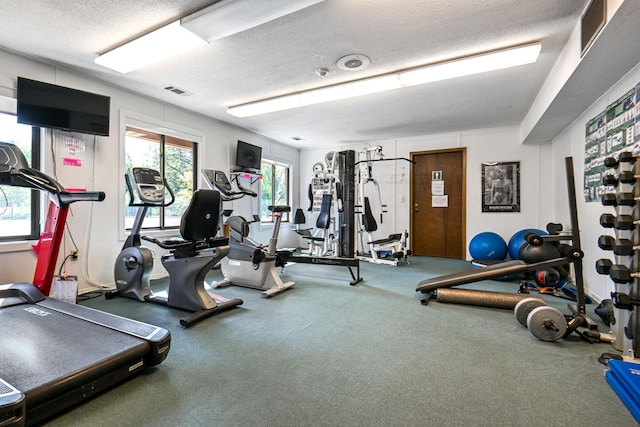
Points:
[(517, 241), (488, 245)]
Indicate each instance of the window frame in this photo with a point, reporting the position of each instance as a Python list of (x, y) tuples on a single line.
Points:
[(286, 216), (136, 120), (163, 141), (36, 197)]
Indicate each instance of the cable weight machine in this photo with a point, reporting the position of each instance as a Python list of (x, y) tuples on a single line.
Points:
[(395, 243)]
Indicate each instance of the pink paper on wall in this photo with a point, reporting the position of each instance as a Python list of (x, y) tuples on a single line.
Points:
[(71, 162)]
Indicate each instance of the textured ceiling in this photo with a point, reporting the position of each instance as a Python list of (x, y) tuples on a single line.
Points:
[(281, 57)]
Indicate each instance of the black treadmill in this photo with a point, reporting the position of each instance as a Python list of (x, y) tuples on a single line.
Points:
[(55, 354)]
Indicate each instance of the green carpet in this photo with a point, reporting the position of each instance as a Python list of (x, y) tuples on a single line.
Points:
[(328, 354)]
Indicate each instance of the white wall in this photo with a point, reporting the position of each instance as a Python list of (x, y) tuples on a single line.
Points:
[(95, 225), (544, 196), (572, 142), (483, 145), (543, 184)]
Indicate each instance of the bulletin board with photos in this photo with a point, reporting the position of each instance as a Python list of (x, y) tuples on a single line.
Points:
[(606, 135)]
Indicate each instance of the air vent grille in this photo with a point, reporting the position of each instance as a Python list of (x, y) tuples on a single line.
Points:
[(178, 91)]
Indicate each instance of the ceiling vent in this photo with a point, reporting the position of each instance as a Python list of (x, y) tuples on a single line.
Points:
[(178, 91)]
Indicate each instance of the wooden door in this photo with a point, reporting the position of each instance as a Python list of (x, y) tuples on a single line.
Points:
[(438, 208)]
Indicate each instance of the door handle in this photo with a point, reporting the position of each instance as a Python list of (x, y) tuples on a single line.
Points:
[(415, 207)]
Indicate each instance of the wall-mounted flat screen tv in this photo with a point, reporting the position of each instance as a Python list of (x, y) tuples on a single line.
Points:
[(57, 107), (248, 156)]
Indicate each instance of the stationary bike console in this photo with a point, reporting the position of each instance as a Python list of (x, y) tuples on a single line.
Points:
[(148, 184), (217, 180)]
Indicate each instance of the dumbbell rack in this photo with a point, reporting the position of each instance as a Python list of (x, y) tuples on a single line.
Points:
[(624, 270)]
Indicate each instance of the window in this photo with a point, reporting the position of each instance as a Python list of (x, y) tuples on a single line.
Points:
[(175, 158), (20, 207), (274, 188)]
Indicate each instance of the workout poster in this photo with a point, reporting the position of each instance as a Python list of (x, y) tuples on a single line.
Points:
[(606, 135), (501, 187)]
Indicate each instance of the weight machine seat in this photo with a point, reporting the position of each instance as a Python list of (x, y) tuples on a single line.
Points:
[(393, 238), (306, 234), (370, 225), (324, 217), (322, 222), (368, 221), (299, 218)]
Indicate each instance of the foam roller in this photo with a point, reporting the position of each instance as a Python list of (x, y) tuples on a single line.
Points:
[(492, 299)]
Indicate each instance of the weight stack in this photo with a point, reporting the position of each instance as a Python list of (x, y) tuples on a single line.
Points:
[(620, 194), (347, 218)]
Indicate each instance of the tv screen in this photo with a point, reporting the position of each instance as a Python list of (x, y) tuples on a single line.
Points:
[(248, 156), (57, 107)]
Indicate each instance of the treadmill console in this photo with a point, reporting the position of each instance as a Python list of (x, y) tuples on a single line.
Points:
[(148, 184)]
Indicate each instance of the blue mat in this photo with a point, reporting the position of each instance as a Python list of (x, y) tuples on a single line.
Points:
[(624, 379)]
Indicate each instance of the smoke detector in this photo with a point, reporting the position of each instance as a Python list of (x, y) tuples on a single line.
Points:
[(354, 62)]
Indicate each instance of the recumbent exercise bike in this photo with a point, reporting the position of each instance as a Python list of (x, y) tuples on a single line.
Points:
[(189, 259), (248, 264)]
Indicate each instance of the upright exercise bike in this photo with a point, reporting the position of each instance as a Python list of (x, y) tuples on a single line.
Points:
[(189, 259)]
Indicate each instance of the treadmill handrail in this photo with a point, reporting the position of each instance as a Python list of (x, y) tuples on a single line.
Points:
[(33, 178), (26, 292)]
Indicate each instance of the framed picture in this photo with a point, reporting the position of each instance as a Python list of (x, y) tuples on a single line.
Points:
[(501, 187)]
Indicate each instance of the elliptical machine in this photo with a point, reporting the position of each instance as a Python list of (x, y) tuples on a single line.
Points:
[(189, 259)]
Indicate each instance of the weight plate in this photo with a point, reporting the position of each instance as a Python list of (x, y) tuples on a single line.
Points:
[(547, 323), (318, 167), (524, 307)]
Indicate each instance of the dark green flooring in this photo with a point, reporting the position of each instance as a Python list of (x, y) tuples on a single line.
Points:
[(328, 354)]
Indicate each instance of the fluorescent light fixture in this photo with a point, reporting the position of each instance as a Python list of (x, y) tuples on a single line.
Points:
[(221, 19), (153, 47), (317, 96), (471, 65), (467, 66), (227, 17)]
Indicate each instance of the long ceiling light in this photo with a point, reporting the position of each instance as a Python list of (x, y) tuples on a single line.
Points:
[(227, 17), (496, 60), (155, 46), (221, 19)]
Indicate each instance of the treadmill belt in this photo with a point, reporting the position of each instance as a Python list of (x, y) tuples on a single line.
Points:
[(44, 353)]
